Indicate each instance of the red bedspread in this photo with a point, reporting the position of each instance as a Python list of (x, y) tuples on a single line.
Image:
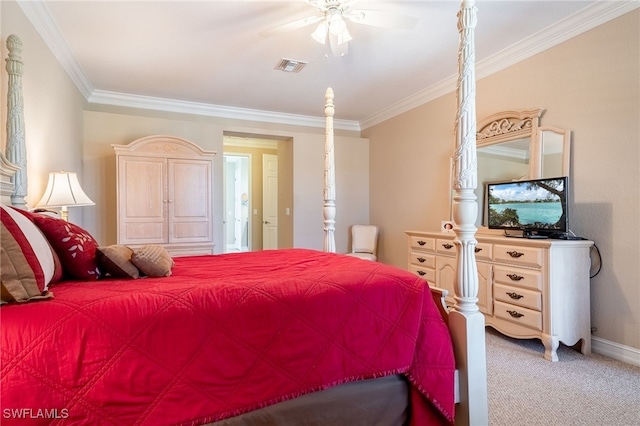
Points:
[(223, 335)]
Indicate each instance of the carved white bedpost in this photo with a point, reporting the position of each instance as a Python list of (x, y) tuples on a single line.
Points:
[(329, 210), (16, 151), (466, 321)]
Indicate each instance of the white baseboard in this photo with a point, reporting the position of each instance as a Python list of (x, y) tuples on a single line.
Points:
[(616, 351)]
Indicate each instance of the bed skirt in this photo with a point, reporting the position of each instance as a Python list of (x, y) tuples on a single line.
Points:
[(383, 401)]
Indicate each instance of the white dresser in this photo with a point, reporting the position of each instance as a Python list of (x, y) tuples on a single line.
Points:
[(528, 288)]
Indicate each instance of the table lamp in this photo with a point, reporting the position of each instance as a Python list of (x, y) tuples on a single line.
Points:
[(63, 190)]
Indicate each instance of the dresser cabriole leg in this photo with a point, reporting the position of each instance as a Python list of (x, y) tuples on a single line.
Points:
[(551, 344)]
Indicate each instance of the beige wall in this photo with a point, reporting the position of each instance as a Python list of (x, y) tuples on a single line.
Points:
[(589, 84)]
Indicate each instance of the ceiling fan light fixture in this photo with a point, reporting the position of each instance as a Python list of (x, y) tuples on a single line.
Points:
[(344, 37), (320, 33), (336, 24)]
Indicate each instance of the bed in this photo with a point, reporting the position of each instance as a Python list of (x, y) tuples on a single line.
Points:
[(293, 336)]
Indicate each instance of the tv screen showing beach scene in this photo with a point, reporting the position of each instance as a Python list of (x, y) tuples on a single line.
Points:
[(539, 204)]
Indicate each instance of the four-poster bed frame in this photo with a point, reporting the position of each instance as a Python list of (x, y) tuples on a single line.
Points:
[(465, 321)]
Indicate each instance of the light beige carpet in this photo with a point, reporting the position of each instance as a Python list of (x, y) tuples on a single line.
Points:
[(526, 389)]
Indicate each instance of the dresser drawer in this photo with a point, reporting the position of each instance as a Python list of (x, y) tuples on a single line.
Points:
[(422, 259), (424, 243), (518, 296), (426, 273), (518, 315), (484, 251), (445, 246), (526, 256), (518, 277)]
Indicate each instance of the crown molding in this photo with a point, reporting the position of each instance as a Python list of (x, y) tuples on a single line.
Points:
[(38, 14), (210, 110), (572, 26)]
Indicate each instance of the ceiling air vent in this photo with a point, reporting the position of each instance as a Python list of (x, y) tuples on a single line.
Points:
[(290, 65)]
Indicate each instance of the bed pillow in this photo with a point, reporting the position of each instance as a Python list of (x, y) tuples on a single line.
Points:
[(75, 247), (28, 264), (58, 271), (152, 260), (115, 260)]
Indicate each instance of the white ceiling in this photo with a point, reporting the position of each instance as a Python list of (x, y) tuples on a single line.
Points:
[(202, 55)]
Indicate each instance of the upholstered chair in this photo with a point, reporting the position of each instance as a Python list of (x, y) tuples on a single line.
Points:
[(364, 242)]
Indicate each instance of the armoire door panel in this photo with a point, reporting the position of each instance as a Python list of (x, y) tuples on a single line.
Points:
[(144, 233), (142, 208), (189, 187), (191, 231)]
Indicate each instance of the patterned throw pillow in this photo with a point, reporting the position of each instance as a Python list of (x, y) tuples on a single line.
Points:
[(115, 260), (153, 261), (28, 263), (58, 271), (75, 247)]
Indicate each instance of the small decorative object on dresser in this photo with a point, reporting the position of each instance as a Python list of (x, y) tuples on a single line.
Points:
[(527, 288)]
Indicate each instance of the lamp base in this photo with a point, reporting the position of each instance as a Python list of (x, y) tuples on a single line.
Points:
[(64, 213)]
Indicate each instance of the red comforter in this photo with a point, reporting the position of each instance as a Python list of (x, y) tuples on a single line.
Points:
[(223, 335)]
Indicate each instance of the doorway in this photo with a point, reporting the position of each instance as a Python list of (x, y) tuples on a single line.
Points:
[(269, 196), (237, 196)]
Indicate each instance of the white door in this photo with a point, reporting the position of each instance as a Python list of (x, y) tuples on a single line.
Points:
[(269, 201)]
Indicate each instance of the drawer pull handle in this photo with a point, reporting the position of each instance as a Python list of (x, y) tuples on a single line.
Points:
[(515, 277), (515, 254), (477, 250), (421, 243), (422, 273), (515, 314), (447, 246), (421, 259), (514, 295)]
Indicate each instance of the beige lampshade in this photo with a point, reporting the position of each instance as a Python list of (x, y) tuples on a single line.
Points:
[(63, 190)]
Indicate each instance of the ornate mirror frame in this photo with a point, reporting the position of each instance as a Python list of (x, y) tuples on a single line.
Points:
[(508, 126)]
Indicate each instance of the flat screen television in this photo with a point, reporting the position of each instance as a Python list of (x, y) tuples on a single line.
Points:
[(538, 207)]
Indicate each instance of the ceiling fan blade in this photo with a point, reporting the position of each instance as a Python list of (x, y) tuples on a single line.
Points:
[(381, 19), (300, 23)]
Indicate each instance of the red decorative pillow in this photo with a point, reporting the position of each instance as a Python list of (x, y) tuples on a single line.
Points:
[(75, 247), (26, 258), (57, 271)]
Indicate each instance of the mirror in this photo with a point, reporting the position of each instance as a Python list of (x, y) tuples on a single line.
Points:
[(555, 151), (512, 146)]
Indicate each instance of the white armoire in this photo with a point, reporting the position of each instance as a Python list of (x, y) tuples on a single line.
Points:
[(165, 195)]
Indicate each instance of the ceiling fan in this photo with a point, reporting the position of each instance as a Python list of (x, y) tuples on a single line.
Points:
[(332, 25)]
